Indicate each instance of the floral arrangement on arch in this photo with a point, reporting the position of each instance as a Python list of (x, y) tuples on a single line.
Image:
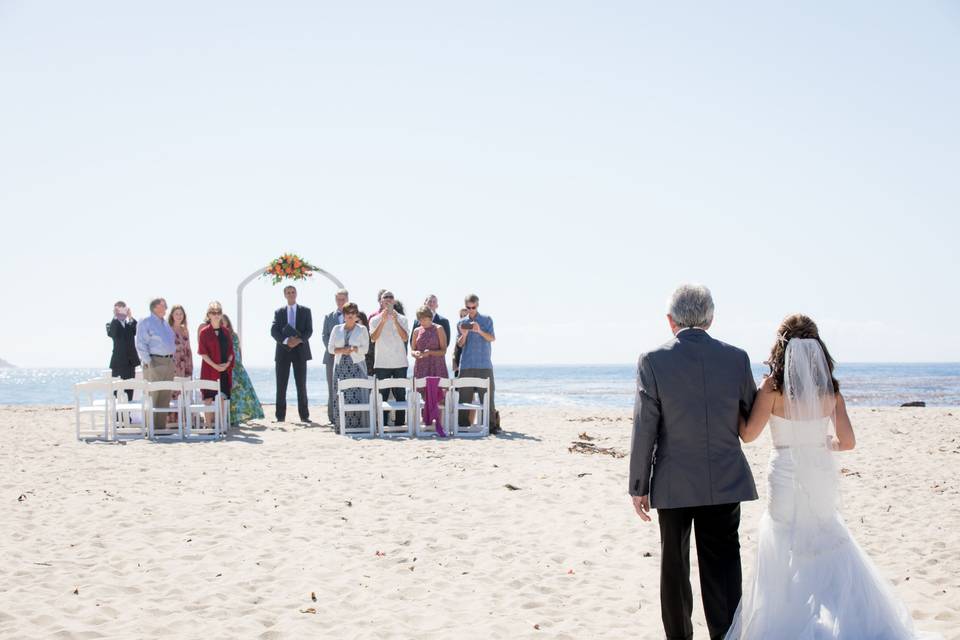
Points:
[(289, 266)]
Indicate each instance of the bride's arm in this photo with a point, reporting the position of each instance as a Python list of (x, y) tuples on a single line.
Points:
[(751, 429), (845, 438)]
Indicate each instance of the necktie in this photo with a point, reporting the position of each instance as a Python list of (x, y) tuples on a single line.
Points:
[(291, 318)]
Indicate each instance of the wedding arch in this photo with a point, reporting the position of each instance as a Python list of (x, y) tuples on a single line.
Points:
[(289, 266)]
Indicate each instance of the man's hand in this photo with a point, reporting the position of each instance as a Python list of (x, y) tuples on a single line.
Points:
[(642, 506), (129, 313), (293, 342)]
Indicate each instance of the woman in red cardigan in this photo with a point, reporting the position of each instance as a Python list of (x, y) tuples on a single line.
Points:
[(215, 347)]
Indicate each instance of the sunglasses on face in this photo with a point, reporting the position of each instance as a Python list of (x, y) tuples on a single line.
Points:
[(471, 308), (215, 313)]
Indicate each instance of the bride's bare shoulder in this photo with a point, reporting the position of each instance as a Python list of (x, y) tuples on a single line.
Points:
[(768, 385)]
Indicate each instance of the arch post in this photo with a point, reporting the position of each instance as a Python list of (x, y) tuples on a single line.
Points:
[(253, 276)]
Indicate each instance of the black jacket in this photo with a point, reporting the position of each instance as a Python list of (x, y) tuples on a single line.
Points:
[(124, 344), (281, 330)]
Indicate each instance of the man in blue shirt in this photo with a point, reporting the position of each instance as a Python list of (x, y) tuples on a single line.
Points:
[(155, 347), (475, 337)]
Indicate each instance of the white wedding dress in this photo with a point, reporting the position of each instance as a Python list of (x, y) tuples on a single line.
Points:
[(811, 580)]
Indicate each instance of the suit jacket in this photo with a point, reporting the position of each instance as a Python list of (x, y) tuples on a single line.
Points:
[(437, 319), (329, 322), (124, 344), (281, 330), (686, 450)]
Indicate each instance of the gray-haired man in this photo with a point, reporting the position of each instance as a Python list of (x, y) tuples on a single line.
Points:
[(686, 461), (331, 320), (156, 346)]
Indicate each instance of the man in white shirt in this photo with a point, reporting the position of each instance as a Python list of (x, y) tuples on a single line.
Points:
[(390, 331)]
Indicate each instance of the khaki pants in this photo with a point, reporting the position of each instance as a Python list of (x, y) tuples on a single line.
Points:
[(159, 370)]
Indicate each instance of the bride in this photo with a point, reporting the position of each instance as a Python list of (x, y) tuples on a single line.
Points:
[(811, 580)]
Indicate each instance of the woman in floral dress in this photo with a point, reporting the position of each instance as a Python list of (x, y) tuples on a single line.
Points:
[(429, 347), (183, 356), (349, 343), (244, 403)]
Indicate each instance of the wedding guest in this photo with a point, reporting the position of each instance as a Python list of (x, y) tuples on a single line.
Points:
[(292, 328), (431, 303), (156, 346), (215, 348), (122, 330), (389, 331), (379, 304), (244, 403), (183, 356), (362, 319), (331, 320), (458, 348), (476, 336), (429, 344), (348, 344)]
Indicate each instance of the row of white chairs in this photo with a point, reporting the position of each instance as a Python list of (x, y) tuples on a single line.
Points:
[(415, 391), (112, 415)]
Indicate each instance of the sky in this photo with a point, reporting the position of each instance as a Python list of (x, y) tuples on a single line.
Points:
[(569, 162)]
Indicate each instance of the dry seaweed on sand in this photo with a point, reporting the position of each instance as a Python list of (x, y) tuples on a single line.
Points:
[(590, 448)]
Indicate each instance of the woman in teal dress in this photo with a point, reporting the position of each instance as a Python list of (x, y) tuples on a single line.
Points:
[(244, 404)]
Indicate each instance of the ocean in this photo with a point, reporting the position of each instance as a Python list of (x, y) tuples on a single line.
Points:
[(609, 386)]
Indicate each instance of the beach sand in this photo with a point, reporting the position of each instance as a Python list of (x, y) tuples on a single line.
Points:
[(407, 539)]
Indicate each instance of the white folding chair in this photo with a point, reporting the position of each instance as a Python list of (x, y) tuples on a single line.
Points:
[(176, 407), (420, 386), (124, 423), (369, 407), (98, 401), (385, 430), (196, 410), (481, 426)]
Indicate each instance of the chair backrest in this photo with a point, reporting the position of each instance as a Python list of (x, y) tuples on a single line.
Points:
[(94, 386), (421, 383), (131, 384), (198, 385), (355, 383), (163, 385), (395, 383), (471, 383)]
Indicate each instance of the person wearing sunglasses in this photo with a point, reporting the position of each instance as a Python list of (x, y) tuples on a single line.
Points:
[(215, 348), (475, 338), (389, 330)]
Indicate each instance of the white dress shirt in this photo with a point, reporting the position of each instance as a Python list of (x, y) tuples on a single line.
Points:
[(291, 318)]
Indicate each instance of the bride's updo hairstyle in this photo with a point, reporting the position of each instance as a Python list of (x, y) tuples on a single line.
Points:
[(795, 326)]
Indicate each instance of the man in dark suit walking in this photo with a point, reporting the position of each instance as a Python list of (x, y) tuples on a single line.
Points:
[(331, 320), (686, 461), (122, 329), (292, 328)]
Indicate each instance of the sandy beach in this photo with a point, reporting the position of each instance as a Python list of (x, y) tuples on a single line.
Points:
[(287, 531)]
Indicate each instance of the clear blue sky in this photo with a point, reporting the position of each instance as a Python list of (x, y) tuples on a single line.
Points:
[(569, 162)]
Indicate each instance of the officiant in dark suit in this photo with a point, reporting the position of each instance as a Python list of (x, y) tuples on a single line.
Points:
[(292, 328), (122, 329)]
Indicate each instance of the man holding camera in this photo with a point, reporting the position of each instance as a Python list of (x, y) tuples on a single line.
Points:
[(390, 331), (476, 336)]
